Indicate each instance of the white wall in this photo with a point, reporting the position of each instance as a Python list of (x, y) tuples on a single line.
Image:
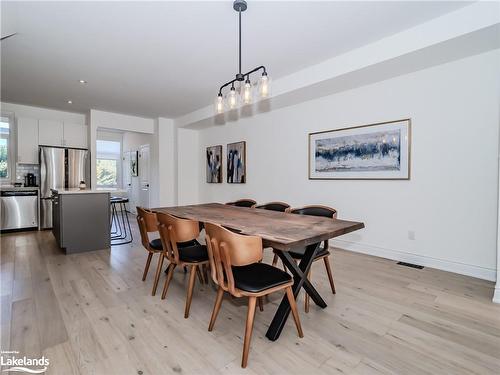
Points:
[(164, 161), (133, 140), (449, 201), (189, 166)]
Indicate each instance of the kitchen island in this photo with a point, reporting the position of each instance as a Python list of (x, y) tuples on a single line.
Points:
[(81, 219)]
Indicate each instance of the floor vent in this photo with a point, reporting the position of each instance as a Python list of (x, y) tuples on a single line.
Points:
[(410, 265)]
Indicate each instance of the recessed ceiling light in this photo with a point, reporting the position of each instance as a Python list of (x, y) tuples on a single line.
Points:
[(82, 81), (70, 102)]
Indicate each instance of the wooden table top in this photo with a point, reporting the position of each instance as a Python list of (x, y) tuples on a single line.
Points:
[(283, 231)]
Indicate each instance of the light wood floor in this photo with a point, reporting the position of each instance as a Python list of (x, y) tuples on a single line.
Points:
[(91, 314)]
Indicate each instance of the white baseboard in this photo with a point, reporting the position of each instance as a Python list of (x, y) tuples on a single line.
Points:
[(496, 294), (445, 265)]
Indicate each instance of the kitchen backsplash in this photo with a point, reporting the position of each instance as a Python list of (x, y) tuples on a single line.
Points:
[(23, 169)]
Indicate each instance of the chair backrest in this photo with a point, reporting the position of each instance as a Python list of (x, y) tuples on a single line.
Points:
[(275, 206), (316, 210), (243, 203), (147, 223), (227, 249), (174, 230)]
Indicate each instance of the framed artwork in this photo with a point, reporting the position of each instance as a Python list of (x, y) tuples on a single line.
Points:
[(134, 163), (236, 163), (371, 152), (214, 164)]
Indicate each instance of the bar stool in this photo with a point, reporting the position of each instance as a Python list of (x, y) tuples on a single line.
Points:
[(121, 233)]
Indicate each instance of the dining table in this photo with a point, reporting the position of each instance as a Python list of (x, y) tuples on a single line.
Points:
[(279, 230)]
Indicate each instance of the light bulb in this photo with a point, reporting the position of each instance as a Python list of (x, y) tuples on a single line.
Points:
[(247, 92), (232, 99), (264, 86), (219, 104)]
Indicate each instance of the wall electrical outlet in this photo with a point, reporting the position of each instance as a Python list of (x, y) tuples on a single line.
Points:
[(411, 235)]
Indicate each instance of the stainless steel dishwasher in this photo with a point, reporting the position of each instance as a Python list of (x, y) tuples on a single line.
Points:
[(19, 209)]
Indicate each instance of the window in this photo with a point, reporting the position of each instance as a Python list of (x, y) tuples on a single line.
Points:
[(108, 164), (5, 147)]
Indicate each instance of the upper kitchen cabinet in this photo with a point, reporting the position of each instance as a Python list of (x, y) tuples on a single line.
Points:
[(57, 133), (50, 133), (27, 140), (75, 135)]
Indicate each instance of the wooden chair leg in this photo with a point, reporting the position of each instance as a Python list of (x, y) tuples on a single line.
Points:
[(200, 276), (307, 299), (248, 330), (204, 268), (146, 269), (170, 274), (215, 312), (261, 303), (275, 260), (295, 312), (158, 273), (189, 297), (329, 272)]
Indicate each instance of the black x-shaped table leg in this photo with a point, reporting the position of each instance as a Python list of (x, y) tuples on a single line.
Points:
[(300, 280)]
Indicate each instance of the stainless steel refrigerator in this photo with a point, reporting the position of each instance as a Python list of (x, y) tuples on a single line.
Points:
[(60, 168)]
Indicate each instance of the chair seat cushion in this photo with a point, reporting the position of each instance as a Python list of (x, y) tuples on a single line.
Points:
[(156, 244), (299, 253), (257, 277), (193, 254)]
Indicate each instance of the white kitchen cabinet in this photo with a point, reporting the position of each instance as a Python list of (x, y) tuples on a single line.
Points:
[(50, 133), (75, 135), (27, 140)]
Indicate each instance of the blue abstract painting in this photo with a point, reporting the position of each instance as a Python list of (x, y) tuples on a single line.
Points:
[(373, 151), (366, 152)]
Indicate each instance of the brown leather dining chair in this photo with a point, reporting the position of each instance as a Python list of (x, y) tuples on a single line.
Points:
[(323, 253), (275, 206), (236, 268), (146, 221), (178, 237), (243, 203)]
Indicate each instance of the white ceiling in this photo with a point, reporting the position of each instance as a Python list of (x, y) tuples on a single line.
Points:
[(169, 58)]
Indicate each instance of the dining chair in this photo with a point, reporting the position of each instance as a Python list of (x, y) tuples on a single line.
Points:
[(275, 206), (178, 237), (236, 268), (146, 221), (243, 203), (323, 252)]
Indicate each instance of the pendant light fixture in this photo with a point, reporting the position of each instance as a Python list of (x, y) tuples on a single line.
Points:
[(246, 92)]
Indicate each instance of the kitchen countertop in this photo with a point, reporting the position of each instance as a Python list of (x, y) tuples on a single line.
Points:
[(88, 191)]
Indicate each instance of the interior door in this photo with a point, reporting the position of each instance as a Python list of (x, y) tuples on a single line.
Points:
[(144, 175)]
